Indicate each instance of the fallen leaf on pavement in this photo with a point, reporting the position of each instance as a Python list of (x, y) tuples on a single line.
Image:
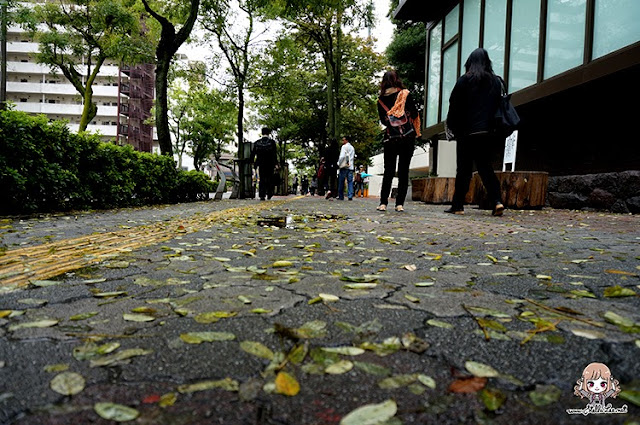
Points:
[(371, 414), (67, 383), (286, 384), (481, 370), (468, 385), (492, 398), (116, 412)]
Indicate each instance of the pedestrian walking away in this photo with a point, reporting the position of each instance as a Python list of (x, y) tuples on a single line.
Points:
[(346, 168), (331, 166), (314, 185), (398, 113), (322, 176), (358, 182), (264, 158), (472, 106)]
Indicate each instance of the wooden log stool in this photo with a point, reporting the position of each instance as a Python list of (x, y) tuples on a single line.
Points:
[(438, 190), (519, 189), (435, 190)]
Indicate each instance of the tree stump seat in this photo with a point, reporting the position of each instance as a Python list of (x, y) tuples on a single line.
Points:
[(433, 190), (519, 189)]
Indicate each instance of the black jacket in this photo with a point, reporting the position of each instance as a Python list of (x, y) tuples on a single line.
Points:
[(472, 105), (267, 157)]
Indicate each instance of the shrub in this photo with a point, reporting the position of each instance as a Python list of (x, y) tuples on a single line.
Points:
[(45, 168), (193, 186)]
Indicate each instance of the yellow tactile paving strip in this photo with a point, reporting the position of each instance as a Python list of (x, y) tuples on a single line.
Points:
[(20, 266)]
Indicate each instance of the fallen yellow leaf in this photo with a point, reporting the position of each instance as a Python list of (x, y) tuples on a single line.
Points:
[(614, 271), (287, 384)]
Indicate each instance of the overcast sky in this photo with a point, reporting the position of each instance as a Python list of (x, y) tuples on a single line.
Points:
[(382, 33), (384, 28)]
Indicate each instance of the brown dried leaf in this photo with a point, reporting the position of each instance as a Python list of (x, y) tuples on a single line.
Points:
[(468, 385)]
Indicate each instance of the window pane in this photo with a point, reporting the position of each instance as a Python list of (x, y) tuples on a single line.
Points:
[(451, 23), (433, 95), (494, 32), (470, 29), (616, 25), (449, 76), (525, 33), (565, 35)]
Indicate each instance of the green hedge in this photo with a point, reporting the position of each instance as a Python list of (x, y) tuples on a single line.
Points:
[(46, 168)]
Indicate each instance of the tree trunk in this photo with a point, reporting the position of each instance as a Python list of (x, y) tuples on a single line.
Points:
[(162, 116), (331, 112), (337, 75), (168, 45), (242, 184), (89, 110)]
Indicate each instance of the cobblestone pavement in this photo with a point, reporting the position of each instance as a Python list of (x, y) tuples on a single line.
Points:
[(299, 311)]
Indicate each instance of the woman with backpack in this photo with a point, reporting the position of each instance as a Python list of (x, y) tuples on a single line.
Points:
[(398, 113)]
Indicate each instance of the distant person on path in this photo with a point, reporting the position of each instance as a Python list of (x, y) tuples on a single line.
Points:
[(365, 180), (358, 181), (304, 185), (472, 105), (313, 188), (322, 176), (331, 156), (395, 105), (346, 168), (265, 154)]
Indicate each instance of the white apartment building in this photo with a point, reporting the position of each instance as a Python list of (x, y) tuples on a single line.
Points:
[(36, 89)]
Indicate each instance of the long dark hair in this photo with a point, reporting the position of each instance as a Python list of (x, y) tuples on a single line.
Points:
[(389, 80), (478, 66)]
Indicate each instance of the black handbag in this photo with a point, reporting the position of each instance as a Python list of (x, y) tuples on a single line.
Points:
[(506, 118)]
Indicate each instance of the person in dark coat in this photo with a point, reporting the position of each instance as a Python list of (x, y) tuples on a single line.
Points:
[(331, 164), (265, 159), (472, 106)]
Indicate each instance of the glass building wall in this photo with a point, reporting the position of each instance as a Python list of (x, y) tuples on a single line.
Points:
[(433, 82), (616, 25)]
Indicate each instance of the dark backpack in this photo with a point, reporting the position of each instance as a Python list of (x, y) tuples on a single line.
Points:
[(398, 126), (263, 146)]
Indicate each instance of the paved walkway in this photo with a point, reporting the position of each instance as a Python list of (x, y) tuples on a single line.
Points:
[(301, 310)]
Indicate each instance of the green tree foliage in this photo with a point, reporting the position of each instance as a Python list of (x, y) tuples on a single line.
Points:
[(76, 37), (202, 119), (212, 127), (179, 104), (168, 14), (291, 97), (406, 52), (231, 25), (322, 23)]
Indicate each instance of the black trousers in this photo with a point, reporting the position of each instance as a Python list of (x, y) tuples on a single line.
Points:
[(396, 151), (476, 148), (267, 182)]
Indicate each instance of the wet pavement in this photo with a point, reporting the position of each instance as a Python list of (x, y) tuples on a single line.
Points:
[(301, 310)]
